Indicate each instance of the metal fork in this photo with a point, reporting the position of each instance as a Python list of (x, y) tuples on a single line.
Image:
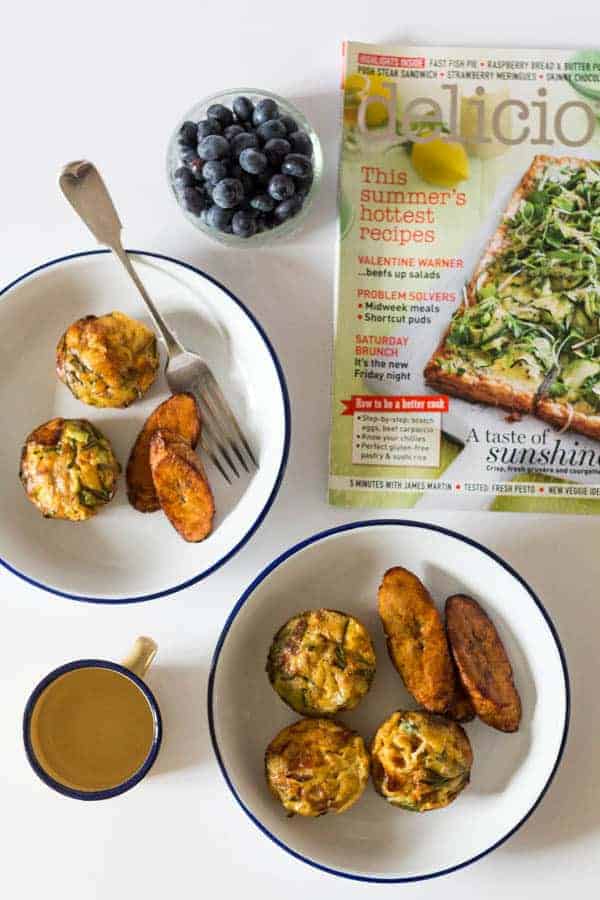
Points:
[(222, 438)]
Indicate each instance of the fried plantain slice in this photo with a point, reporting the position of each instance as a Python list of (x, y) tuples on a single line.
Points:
[(416, 639), (178, 414), (461, 709), (181, 485), (483, 665)]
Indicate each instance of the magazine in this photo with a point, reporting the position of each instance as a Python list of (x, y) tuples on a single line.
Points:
[(467, 336)]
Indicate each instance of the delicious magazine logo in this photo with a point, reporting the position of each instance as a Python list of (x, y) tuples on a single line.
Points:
[(422, 118)]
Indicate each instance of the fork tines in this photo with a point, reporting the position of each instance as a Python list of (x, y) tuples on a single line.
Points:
[(222, 438)]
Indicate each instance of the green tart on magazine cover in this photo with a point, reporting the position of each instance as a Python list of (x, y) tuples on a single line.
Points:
[(467, 340)]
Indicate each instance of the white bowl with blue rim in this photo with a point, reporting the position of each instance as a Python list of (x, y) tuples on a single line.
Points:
[(342, 569), (121, 555)]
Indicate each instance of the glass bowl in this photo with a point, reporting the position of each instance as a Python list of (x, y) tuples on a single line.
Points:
[(278, 232)]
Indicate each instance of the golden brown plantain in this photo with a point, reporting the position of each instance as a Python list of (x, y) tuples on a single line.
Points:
[(181, 486), (483, 665), (461, 709), (178, 414), (416, 639)]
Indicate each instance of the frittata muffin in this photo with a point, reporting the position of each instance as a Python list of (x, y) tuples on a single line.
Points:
[(108, 360), (68, 469), (321, 662), (317, 766), (420, 761)]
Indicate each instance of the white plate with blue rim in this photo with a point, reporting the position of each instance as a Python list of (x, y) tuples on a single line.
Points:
[(121, 555), (373, 841)]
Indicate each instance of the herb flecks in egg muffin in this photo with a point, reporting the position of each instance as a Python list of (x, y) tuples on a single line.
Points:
[(68, 469), (317, 766), (420, 761), (108, 360), (321, 662)]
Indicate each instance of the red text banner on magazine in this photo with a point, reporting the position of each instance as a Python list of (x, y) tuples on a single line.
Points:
[(368, 403)]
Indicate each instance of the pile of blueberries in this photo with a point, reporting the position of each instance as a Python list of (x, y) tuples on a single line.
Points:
[(244, 170)]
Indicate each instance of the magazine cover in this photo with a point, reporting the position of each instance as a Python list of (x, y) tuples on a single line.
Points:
[(467, 340)]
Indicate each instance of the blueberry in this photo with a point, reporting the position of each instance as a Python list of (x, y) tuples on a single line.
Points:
[(243, 142), (262, 202), (302, 189), (287, 209), (193, 200), (264, 178), (195, 167), (214, 170), (301, 143), (232, 131), (243, 224), (183, 178), (264, 110), (188, 134), (281, 187), (228, 193), (208, 126), (248, 183), (303, 185), (243, 108), (298, 165), (213, 147), (290, 124), (187, 154), (219, 218), (273, 128), (221, 113), (276, 149), (267, 222), (253, 161)]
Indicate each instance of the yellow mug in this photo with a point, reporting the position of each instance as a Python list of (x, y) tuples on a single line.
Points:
[(92, 728)]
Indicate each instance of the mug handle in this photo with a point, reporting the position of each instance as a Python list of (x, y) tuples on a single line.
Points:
[(141, 656)]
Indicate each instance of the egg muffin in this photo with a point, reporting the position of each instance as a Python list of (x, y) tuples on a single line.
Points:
[(108, 360), (321, 662), (317, 766), (68, 469), (420, 761)]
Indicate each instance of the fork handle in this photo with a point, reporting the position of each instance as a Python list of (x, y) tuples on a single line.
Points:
[(173, 345), (82, 185)]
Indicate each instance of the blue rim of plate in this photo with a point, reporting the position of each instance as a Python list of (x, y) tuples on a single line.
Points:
[(284, 457), (250, 590), (133, 779)]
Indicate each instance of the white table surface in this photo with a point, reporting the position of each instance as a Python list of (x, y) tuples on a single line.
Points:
[(108, 81)]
